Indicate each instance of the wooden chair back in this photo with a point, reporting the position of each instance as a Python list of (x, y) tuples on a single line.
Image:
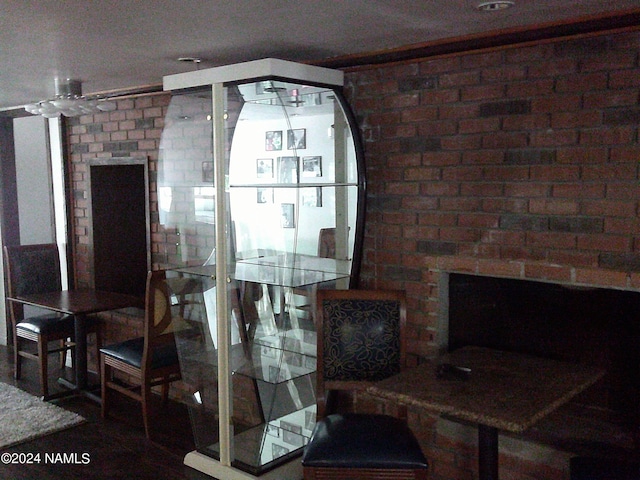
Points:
[(327, 243), (360, 339), (161, 320), (31, 269)]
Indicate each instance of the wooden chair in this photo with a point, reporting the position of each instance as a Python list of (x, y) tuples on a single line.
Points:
[(34, 269), (360, 341), (149, 360)]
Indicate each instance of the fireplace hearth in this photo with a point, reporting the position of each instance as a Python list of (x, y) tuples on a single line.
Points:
[(594, 326)]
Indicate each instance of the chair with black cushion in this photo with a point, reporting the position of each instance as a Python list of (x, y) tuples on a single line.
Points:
[(32, 269), (360, 341), (147, 361)]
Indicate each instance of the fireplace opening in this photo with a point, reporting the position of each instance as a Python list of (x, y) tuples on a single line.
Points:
[(593, 326)]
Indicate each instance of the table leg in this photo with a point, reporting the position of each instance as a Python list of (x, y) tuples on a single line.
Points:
[(80, 324), (81, 374), (487, 453)]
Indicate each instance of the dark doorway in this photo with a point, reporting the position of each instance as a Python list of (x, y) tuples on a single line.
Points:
[(119, 226)]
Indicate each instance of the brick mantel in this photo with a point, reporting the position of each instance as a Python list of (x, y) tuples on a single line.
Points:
[(540, 271)]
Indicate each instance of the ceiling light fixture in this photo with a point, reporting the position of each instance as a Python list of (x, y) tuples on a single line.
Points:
[(70, 102), (195, 60), (495, 5)]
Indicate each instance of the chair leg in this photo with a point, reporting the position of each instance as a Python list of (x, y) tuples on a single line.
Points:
[(105, 372), (165, 391), (145, 390), (98, 345), (17, 359), (63, 355), (43, 347)]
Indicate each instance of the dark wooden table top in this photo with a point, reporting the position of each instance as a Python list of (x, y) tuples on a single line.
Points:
[(504, 390), (81, 301)]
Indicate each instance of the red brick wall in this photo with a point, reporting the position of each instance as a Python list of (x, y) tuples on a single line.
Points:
[(520, 162), (132, 130)]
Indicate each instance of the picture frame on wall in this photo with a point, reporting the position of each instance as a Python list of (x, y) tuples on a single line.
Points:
[(278, 450), (264, 167), (312, 166), (288, 218), (273, 140), (287, 169), (297, 139), (311, 196), (207, 172), (264, 195), (273, 430)]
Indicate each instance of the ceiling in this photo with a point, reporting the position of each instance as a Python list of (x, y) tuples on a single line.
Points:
[(125, 44)]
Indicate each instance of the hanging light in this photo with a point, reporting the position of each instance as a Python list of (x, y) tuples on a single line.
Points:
[(70, 102)]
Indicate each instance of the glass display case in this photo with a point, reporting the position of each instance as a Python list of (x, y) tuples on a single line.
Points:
[(260, 199)]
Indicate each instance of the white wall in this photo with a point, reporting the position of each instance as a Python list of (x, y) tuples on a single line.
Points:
[(33, 176), (34, 188)]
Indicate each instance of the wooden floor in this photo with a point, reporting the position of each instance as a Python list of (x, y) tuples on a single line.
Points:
[(117, 447)]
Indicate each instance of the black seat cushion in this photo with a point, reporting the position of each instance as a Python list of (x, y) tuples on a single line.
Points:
[(590, 468), (130, 351), (363, 441), (46, 324)]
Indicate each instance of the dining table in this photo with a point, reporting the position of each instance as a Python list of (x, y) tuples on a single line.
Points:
[(79, 303), (493, 389)]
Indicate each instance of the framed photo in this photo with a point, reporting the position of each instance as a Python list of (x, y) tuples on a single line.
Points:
[(287, 169), (264, 168), (312, 197), (291, 427), (273, 140), (311, 166), (297, 139), (264, 195), (294, 439), (273, 430), (309, 419), (207, 172), (288, 215), (278, 450)]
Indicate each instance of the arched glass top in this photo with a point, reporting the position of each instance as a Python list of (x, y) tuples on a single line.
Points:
[(292, 173)]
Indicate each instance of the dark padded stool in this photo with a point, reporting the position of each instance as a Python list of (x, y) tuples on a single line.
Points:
[(590, 468), (363, 441)]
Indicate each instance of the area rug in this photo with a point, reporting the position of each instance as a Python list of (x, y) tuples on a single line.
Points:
[(24, 417)]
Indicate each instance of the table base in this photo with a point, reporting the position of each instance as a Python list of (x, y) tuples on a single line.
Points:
[(487, 453), (74, 391)]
